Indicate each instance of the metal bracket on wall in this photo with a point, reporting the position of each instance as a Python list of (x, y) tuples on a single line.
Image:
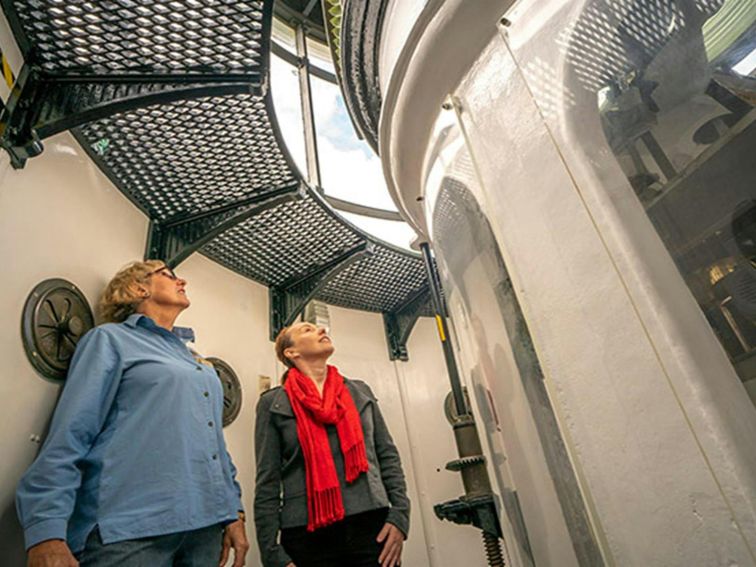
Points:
[(174, 240), (42, 104), (399, 323), (290, 298)]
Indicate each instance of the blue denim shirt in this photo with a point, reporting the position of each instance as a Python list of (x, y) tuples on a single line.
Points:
[(135, 446)]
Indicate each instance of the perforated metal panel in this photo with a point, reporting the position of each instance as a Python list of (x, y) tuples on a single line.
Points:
[(378, 283), (282, 242), (123, 35), (192, 155)]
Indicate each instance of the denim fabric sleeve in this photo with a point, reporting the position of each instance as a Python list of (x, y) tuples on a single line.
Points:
[(46, 494), (268, 486), (391, 472)]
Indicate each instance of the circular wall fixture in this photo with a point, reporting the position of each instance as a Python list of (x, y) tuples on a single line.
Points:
[(232, 393), (56, 315)]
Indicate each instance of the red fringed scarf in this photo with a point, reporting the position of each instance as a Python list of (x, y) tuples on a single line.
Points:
[(324, 504)]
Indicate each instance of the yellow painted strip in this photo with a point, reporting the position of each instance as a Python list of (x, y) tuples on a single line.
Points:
[(7, 72), (440, 324)]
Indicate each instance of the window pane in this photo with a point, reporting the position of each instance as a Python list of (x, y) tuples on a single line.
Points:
[(394, 232), (349, 169), (284, 85), (283, 35), (320, 55)]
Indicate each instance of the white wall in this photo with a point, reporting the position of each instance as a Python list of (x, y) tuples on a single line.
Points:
[(60, 217)]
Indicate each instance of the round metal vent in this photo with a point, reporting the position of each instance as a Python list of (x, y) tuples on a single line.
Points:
[(56, 315), (232, 393)]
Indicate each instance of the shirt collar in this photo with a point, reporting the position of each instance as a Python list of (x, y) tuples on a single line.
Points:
[(185, 334)]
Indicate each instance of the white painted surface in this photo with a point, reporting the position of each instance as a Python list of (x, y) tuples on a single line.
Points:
[(709, 394), (643, 469), (444, 42), (398, 20)]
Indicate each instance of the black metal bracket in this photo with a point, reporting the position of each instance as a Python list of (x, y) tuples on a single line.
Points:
[(174, 240), (42, 104), (290, 298), (478, 511), (399, 323)]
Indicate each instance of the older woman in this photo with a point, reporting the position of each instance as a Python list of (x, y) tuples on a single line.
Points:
[(135, 470), (329, 478)]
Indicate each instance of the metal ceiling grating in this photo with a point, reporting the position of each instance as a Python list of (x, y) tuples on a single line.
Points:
[(280, 243), (125, 35), (171, 102), (191, 155), (384, 280)]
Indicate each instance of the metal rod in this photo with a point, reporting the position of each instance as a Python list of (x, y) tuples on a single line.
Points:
[(281, 52), (308, 116), (434, 284)]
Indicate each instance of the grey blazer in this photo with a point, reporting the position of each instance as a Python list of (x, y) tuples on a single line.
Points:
[(280, 490)]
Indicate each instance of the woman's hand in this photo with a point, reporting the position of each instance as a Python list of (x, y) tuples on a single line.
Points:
[(393, 539), (235, 536), (51, 553)]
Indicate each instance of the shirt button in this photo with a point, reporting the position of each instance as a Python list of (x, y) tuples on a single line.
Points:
[(215, 457), (206, 394), (198, 368), (209, 423)]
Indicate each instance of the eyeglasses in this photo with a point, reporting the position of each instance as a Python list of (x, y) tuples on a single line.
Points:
[(165, 271)]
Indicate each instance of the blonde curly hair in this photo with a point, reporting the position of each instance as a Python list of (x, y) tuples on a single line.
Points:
[(121, 296)]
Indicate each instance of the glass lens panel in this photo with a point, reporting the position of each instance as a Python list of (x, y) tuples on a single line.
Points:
[(679, 118)]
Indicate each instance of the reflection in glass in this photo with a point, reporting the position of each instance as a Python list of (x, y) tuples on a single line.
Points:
[(678, 115), (476, 280), (348, 167)]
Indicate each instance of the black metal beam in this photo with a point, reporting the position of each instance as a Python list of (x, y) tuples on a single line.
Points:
[(399, 323), (289, 299), (175, 240), (43, 104), (179, 77)]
